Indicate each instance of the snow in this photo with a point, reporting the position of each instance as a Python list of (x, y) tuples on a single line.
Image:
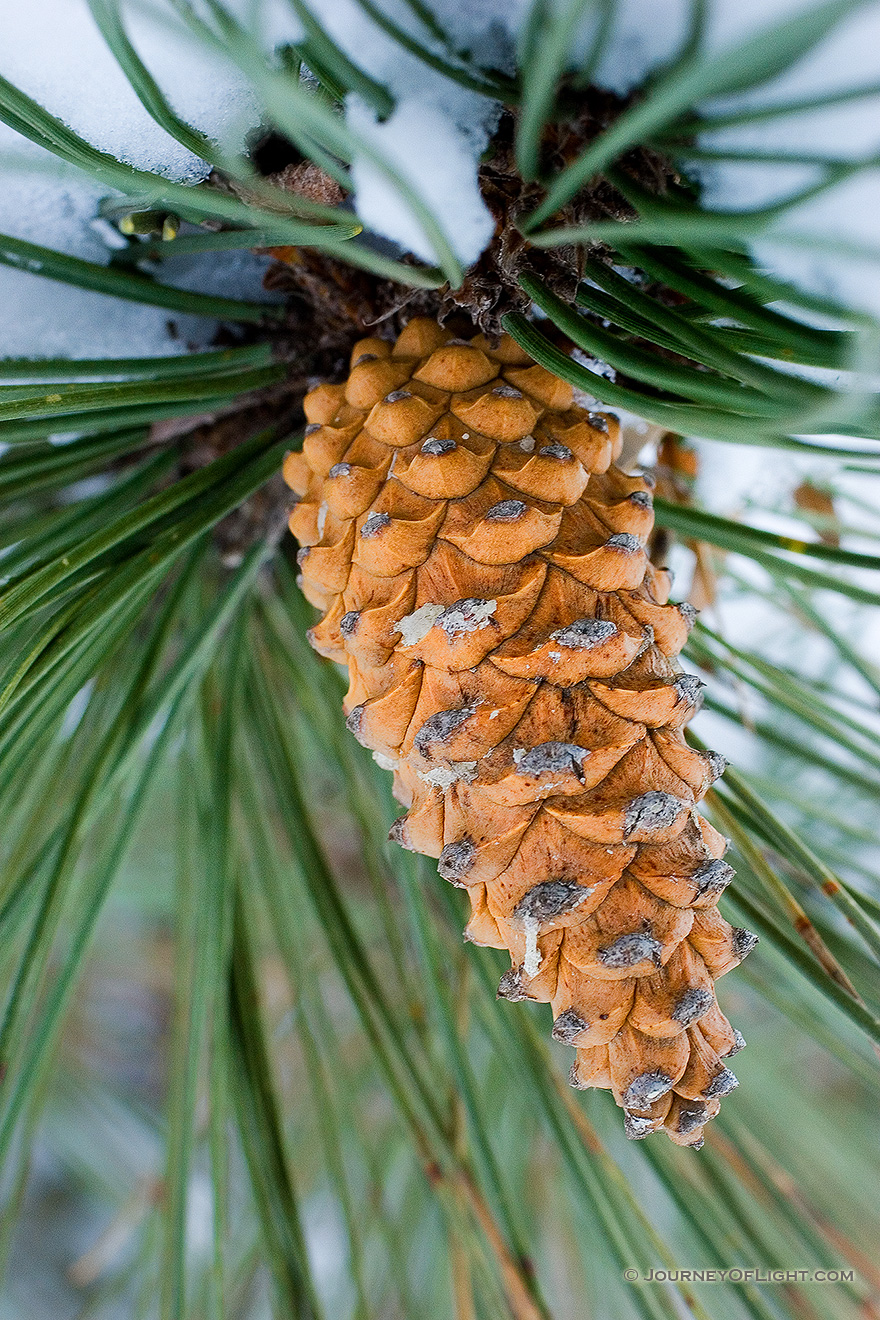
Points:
[(848, 213), (433, 139), (416, 626), (648, 33), (444, 776), (437, 158), (532, 959), (53, 51), (42, 318), (438, 130), (55, 206), (849, 57)]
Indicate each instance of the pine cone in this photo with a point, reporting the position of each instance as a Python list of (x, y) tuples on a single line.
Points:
[(482, 572)]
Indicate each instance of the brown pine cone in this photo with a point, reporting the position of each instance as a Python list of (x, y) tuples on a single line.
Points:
[(481, 567)]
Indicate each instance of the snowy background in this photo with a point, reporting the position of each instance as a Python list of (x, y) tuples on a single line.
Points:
[(52, 50)]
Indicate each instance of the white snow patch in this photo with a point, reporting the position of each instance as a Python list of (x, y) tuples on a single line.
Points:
[(384, 762), (323, 510), (847, 213), (53, 51), (594, 364), (646, 33), (43, 318), (471, 617), (199, 1213), (438, 129), (532, 960), (437, 158), (414, 627), (445, 776)]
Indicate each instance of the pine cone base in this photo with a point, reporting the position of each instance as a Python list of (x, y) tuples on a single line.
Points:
[(481, 568)]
